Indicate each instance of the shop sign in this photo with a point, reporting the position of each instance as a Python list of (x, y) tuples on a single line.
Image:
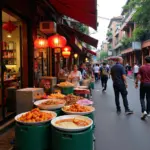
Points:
[(136, 45), (109, 53), (78, 43)]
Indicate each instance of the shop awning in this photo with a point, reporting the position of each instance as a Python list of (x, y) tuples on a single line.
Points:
[(69, 40), (89, 51), (84, 11), (129, 50), (81, 36)]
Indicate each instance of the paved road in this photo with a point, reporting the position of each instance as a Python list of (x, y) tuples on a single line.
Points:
[(119, 132)]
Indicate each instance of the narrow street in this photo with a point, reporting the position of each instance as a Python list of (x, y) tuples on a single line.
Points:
[(112, 132), (119, 132)]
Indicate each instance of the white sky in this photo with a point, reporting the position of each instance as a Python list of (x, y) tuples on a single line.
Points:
[(106, 9)]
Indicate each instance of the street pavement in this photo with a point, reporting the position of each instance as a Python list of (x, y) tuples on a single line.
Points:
[(119, 132)]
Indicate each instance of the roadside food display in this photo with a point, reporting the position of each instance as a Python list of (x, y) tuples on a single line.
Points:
[(57, 118), (73, 131), (33, 129), (77, 109), (66, 87), (50, 104)]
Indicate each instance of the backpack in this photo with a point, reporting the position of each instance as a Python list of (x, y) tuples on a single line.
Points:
[(104, 71)]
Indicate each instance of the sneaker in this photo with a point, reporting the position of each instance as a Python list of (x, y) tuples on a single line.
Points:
[(129, 112), (118, 111), (148, 115), (144, 115)]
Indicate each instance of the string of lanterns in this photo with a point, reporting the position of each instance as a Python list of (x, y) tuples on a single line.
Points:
[(56, 41)]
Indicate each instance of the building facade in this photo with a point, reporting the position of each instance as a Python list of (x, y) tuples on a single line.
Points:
[(122, 43), (113, 34)]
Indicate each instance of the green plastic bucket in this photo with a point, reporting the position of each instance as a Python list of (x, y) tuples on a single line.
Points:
[(58, 112), (79, 140), (67, 90), (33, 137)]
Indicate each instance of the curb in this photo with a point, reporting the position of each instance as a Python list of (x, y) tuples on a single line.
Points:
[(7, 126)]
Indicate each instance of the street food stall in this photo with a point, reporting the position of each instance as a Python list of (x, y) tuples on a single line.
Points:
[(56, 118)]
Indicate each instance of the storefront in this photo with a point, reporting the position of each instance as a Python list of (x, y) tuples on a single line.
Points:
[(16, 36)]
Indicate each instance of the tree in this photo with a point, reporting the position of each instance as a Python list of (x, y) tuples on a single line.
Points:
[(140, 17), (126, 42), (142, 12), (103, 55), (81, 27)]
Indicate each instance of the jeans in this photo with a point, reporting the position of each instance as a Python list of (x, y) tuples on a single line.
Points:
[(104, 80), (145, 91), (121, 89), (96, 76)]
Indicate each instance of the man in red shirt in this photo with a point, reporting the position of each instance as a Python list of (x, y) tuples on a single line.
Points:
[(144, 77)]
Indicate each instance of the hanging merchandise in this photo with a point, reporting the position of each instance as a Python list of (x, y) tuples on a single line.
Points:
[(9, 26), (66, 51), (57, 41), (41, 43)]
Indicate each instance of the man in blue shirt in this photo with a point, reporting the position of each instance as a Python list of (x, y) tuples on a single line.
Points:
[(120, 84)]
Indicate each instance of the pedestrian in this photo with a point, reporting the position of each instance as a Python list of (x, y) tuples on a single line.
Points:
[(144, 77), (120, 84), (129, 70), (126, 68), (135, 70), (82, 70), (75, 76), (96, 72), (104, 73)]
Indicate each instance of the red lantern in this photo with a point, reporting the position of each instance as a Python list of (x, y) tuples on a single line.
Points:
[(41, 43), (57, 41), (66, 51), (9, 26)]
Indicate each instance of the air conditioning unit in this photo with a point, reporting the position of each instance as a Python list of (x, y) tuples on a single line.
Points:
[(48, 27)]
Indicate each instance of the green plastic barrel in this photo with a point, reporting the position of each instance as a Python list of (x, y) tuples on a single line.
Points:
[(33, 137), (82, 140), (58, 112), (91, 115), (67, 90)]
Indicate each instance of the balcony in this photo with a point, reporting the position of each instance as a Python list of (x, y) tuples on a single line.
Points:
[(109, 47), (127, 18), (109, 35), (109, 38), (118, 45)]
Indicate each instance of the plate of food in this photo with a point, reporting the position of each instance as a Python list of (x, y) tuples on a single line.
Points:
[(35, 116), (65, 84), (56, 95), (50, 104), (77, 109), (85, 102), (72, 123), (72, 99)]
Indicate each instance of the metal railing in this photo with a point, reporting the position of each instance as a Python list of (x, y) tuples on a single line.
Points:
[(129, 13)]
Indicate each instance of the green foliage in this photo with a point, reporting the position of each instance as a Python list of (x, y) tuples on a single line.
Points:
[(82, 28), (109, 33), (131, 4), (126, 42), (109, 46), (141, 16), (138, 33), (103, 55)]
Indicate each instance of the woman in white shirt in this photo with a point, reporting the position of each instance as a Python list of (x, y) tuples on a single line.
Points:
[(75, 76)]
